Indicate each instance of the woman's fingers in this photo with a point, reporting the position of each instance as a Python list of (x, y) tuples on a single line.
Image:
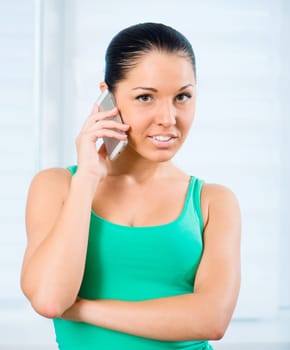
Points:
[(98, 125), (101, 125), (97, 115), (109, 124), (95, 133)]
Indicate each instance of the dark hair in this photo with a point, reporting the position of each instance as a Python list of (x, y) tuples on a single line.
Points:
[(133, 42)]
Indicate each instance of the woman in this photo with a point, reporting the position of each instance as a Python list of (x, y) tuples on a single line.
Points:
[(134, 253)]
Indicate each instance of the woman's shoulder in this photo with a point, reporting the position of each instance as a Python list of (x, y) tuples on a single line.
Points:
[(51, 179), (215, 191), (53, 174), (216, 196)]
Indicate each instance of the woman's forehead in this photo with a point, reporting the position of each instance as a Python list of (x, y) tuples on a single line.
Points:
[(156, 66)]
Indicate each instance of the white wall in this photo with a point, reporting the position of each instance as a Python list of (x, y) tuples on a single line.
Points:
[(240, 137)]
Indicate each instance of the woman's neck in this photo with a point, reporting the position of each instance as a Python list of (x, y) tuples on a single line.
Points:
[(139, 169)]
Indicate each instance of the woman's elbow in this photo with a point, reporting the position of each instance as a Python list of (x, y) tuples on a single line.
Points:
[(47, 310), (218, 327), (217, 333), (43, 305), (208, 331)]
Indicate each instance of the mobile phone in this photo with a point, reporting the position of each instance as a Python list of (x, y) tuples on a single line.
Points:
[(113, 146)]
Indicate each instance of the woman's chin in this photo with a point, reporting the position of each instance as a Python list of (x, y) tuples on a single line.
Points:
[(154, 155), (158, 156)]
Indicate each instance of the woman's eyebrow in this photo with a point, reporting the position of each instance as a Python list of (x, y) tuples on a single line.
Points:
[(145, 88), (186, 86), (155, 90)]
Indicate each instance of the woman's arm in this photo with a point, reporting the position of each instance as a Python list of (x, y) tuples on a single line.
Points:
[(204, 314), (57, 223), (58, 218)]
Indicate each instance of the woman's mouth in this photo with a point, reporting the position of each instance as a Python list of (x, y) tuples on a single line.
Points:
[(162, 141)]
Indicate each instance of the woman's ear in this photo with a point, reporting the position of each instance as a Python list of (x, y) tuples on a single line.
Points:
[(103, 86)]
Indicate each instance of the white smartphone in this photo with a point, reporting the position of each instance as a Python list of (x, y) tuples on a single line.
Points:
[(113, 146)]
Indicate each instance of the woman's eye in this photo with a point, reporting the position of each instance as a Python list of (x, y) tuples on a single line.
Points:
[(144, 98), (183, 97)]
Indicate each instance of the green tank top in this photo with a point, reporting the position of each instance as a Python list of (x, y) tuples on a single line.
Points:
[(137, 263)]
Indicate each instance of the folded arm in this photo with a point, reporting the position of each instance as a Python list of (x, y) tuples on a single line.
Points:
[(204, 314), (57, 221)]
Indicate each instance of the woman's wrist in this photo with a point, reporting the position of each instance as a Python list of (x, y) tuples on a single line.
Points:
[(85, 181)]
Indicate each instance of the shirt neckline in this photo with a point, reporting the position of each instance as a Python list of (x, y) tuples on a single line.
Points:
[(150, 227)]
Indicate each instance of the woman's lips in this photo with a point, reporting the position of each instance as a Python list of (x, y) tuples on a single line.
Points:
[(163, 141)]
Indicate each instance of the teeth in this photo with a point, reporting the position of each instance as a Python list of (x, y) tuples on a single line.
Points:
[(161, 138)]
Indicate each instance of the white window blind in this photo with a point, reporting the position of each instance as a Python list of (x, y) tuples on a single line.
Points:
[(18, 147)]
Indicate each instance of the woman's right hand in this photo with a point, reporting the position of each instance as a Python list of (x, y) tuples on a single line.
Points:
[(92, 161)]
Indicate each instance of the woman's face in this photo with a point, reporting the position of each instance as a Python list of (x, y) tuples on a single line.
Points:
[(157, 100)]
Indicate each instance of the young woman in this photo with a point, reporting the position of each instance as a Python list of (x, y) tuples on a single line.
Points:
[(134, 253)]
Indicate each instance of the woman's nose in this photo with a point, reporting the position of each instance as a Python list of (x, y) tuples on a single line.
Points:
[(166, 114)]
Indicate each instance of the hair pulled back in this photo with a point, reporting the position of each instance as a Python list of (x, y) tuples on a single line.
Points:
[(130, 44)]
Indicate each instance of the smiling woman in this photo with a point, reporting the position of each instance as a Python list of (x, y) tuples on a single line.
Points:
[(164, 104), (134, 253)]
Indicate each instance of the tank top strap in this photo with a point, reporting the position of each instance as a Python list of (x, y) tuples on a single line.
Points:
[(195, 196), (73, 169)]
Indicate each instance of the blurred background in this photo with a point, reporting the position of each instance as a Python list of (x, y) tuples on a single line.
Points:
[(51, 63)]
